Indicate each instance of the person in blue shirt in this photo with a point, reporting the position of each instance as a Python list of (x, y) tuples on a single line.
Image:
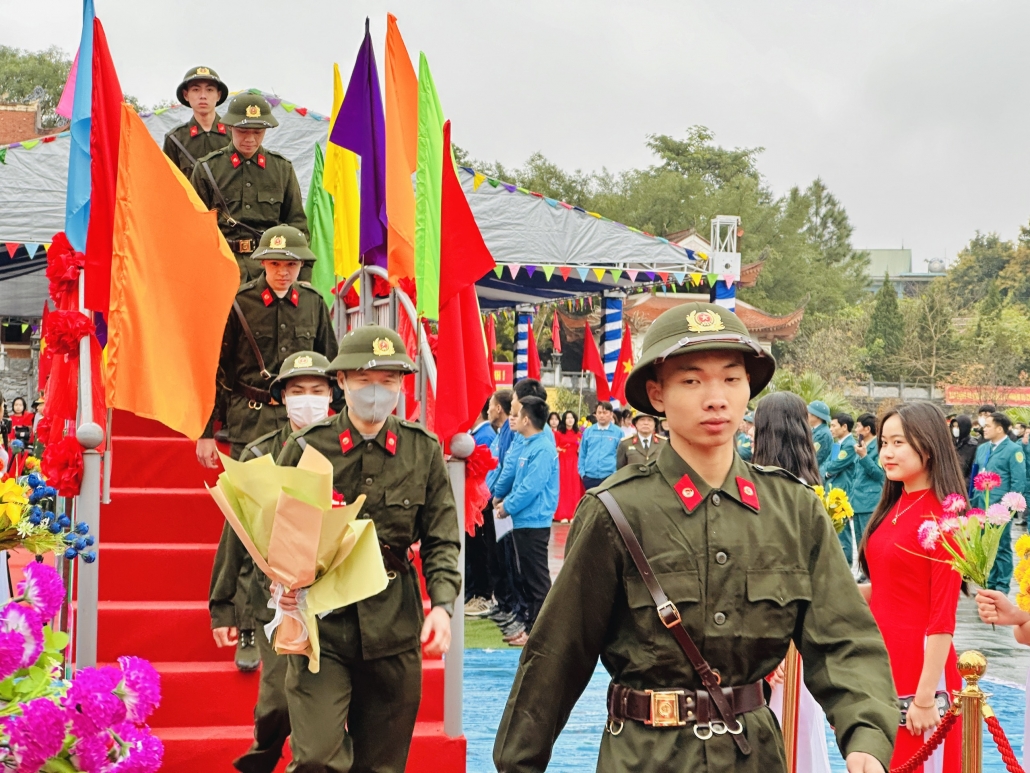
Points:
[(818, 418), (531, 504), (840, 471), (869, 476), (997, 453), (598, 450), (481, 566)]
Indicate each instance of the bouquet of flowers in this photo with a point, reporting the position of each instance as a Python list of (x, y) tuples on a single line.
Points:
[(972, 539), (29, 519), (837, 506), (93, 723), (1022, 572)]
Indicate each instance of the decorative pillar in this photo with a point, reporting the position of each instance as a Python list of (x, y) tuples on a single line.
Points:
[(523, 319), (611, 341), (726, 296)]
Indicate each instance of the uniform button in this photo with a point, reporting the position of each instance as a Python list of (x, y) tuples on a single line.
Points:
[(716, 499), (282, 348), (721, 557), (643, 468), (369, 445), (282, 326), (247, 206), (248, 185), (720, 618), (368, 481), (407, 502), (248, 163)]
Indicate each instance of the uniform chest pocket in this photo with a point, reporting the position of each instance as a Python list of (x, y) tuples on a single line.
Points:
[(776, 597), (269, 204), (303, 333), (405, 499), (680, 587)]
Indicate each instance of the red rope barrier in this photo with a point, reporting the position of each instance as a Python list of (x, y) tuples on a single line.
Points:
[(931, 745), (1003, 745)]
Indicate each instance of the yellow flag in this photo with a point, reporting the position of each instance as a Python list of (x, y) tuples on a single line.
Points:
[(340, 179)]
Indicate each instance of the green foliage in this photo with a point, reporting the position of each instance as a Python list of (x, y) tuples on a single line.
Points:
[(978, 264), (811, 386), (22, 71), (930, 349), (564, 399), (886, 333)]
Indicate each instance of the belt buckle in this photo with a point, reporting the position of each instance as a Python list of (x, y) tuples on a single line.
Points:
[(665, 708), (674, 618), (246, 245)]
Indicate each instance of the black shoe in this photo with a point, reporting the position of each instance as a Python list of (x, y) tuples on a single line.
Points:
[(513, 627), (247, 657), (498, 614)]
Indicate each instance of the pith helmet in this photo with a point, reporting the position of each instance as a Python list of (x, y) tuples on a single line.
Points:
[(249, 111), (300, 364), (284, 242), (820, 410), (372, 347), (696, 327), (202, 74), (640, 416)]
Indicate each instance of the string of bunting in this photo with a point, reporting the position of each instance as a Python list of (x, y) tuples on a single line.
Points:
[(31, 248), (695, 278)]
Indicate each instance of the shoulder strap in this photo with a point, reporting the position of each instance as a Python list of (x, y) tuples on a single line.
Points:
[(250, 338), (225, 206), (185, 152), (670, 617)]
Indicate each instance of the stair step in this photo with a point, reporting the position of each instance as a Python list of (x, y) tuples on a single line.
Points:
[(163, 572), (168, 462), (237, 693), (127, 424), (139, 515)]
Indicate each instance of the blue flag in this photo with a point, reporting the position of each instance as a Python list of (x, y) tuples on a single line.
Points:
[(76, 206)]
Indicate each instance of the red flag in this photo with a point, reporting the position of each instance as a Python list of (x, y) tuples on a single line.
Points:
[(463, 364), (533, 369), (46, 357), (555, 333), (104, 139), (624, 366), (491, 346), (592, 363)]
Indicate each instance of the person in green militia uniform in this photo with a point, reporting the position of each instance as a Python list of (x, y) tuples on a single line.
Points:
[(272, 317), (306, 390), (734, 555), (204, 133), (358, 713), (744, 435), (818, 419), (251, 187)]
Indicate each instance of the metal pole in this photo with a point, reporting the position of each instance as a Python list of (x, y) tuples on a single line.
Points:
[(972, 665), (462, 447), (105, 498)]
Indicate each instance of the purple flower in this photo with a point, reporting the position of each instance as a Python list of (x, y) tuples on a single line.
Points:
[(28, 623), (142, 752), (929, 533), (36, 735), (140, 688), (92, 702), (998, 514), (43, 589), (954, 503), (91, 754), (1014, 501)]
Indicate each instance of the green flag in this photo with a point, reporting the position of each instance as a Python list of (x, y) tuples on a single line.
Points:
[(320, 223), (428, 193)]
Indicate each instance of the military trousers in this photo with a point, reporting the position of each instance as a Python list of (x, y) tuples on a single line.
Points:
[(354, 715), (271, 714), (241, 601), (1000, 577)]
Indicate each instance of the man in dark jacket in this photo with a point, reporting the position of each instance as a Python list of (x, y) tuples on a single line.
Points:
[(965, 443)]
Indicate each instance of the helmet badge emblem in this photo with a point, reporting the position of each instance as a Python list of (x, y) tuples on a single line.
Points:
[(302, 362), (704, 322), (253, 111), (203, 71), (277, 243), (383, 347)]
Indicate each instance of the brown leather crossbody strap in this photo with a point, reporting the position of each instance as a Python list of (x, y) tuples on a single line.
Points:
[(225, 206), (250, 338), (185, 152), (671, 619)]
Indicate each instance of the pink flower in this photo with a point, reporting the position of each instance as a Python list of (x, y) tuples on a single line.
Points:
[(929, 534), (42, 589), (92, 702), (954, 503), (985, 481), (998, 514), (140, 688), (1014, 501), (949, 525), (142, 752), (36, 735), (27, 622)]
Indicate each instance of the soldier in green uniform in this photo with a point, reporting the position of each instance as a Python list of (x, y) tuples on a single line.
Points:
[(306, 390), (744, 435), (272, 317), (358, 713), (869, 475), (739, 552), (641, 447), (818, 418), (251, 187), (204, 133), (840, 472)]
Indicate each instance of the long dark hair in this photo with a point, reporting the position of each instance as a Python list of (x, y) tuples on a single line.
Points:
[(783, 437), (575, 423), (925, 430)]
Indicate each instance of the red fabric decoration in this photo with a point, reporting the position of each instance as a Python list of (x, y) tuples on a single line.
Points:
[(64, 331), (62, 269), (62, 466), (476, 492), (381, 288)]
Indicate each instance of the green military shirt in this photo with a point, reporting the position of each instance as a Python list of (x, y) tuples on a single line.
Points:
[(841, 471), (632, 451), (197, 141), (231, 554), (868, 481), (751, 565), (408, 496), (744, 448), (822, 438), (261, 192), (281, 326)]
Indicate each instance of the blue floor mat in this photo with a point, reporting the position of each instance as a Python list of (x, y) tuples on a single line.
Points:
[(489, 675)]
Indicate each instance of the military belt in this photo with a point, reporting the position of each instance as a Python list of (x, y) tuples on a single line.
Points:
[(262, 396), (678, 708), (395, 560), (242, 246)]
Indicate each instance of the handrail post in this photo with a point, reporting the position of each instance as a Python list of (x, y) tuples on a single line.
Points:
[(972, 665), (462, 447)]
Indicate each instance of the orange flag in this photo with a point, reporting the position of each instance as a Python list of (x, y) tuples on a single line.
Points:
[(173, 280), (401, 153)]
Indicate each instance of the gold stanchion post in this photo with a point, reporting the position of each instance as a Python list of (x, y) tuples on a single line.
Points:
[(791, 691), (972, 665)]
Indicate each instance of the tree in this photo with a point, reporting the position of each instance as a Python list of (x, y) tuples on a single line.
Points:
[(886, 333), (930, 347), (23, 72), (978, 264)]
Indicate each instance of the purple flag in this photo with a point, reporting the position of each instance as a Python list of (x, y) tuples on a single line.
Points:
[(361, 128)]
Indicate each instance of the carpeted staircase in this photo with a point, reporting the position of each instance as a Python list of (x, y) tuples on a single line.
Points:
[(159, 536)]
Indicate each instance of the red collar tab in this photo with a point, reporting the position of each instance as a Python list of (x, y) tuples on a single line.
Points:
[(235, 158), (346, 444), (748, 494), (339, 500), (634, 441), (688, 493), (221, 128), (267, 297), (194, 130), (391, 443), (261, 161), (294, 297)]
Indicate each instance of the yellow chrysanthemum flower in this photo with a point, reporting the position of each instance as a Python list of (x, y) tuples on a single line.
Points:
[(1023, 601), (12, 501), (1020, 570), (1024, 584), (819, 492), (1022, 546)]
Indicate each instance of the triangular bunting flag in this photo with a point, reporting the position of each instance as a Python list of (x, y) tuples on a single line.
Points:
[(695, 279), (650, 275), (289, 107), (567, 206), (551, 202), (523, 190), (493, 183), (46, 246), (663, 275), (477, 180), (508, 187), (703, 255), (29, 144), (583, 273), (679, 276), (564, 271), (530, 270), (31, 248), (548, 270), (712, 279), (632, 274), (690, 254), (599, 273), (498, 270), (3, 155), (513, 269), (728, 279), (616, 273), (12, 247)]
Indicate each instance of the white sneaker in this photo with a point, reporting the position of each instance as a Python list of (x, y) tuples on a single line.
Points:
[(477, 607)]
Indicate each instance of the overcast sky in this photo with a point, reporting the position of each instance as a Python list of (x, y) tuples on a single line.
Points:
[(915, 114)]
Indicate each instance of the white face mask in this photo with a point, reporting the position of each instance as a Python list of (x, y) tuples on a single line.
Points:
[(982, 421), (306, 409), (955, 431)]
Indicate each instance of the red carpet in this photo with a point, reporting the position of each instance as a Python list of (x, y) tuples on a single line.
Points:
[(159, 536)]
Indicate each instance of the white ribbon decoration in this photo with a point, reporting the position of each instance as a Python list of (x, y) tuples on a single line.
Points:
[(280, 613)]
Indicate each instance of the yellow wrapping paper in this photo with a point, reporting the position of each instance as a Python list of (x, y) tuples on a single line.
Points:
[(285, 518)]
